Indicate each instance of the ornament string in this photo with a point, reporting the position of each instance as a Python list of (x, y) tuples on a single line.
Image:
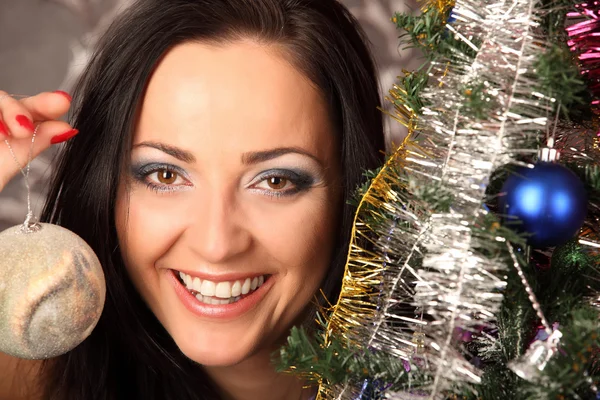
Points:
[(29, 225), (540, 352), (549, 153), (532, 298)]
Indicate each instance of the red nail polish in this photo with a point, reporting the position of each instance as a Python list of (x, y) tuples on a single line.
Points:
[(25, 122), (63, 137), (65, 94), (3, 130)]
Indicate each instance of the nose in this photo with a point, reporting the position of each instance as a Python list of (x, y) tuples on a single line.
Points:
[(217, 232)]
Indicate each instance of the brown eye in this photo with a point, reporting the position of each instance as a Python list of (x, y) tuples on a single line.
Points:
[(277, 183), (166, 177)]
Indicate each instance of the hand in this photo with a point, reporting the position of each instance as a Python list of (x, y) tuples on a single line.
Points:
[(18, 119)]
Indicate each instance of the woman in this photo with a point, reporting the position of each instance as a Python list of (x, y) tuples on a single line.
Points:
[(220, 142)]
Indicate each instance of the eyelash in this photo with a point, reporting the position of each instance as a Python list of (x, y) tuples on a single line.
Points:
[(142, 174), (300, 180)]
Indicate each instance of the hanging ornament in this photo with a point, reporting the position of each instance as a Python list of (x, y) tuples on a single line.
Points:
[(548, 201), (419, 351), (52, 291), (52, 287), (540, 352), (418, 340), (536, 357), (543, 334)]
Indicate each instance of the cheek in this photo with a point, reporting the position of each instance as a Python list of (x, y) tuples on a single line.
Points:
[(301, 235), (300, 239), (146, 230)]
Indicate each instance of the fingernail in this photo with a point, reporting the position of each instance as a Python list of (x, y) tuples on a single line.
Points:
[(63, 137), (65, 94), (25, 122), (3, 130)]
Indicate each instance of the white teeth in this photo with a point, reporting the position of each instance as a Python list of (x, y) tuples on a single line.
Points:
[(246, 286), (196, 284), (215, 301), (186, 279), (208, 288), (236, 289), (223, 290)]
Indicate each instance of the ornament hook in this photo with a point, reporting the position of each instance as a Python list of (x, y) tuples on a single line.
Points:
[(30, 225)]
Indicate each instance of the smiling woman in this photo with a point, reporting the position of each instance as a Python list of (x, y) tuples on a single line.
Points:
[(220, 143), (208, 191)]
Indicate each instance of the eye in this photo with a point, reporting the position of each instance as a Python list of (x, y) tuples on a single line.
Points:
[(166, 177), (277, 182), (161, 177), (283, 182)]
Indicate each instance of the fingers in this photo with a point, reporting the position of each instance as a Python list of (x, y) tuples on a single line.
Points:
[(47, 106), (18, 119), (53, 132), (48, 133), (18, 116)]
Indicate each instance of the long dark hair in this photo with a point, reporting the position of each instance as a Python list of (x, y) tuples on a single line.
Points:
[(129, 355)]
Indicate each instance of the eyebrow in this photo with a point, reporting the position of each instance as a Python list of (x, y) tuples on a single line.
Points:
[(173, 151), (256, 157), (249, 158)]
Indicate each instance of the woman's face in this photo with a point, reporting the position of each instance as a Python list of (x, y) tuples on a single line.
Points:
[(228, 214)]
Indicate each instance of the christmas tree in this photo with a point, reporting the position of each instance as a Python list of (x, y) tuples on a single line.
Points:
[(473, 268)]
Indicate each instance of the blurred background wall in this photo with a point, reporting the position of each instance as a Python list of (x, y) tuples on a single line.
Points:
[(44, 44)]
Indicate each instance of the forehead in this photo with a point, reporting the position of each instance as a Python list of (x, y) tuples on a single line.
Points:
[(246, 95)]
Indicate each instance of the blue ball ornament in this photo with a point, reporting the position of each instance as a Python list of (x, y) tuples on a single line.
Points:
[(549, 200)]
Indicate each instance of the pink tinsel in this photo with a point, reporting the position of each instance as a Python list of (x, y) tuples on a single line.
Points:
[(584, 40)]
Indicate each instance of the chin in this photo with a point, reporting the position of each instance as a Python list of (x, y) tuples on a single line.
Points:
[(213, 357), (215, 348), (212, 341)]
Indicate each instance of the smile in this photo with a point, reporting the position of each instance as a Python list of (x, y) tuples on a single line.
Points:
[(220, 298), (220, 293)]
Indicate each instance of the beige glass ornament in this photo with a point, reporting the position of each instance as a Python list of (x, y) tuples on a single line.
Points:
[(52, 287)]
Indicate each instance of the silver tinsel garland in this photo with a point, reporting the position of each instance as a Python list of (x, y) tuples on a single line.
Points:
[(435, 273)]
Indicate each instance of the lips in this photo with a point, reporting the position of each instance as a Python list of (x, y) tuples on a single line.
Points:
[(227, 306)]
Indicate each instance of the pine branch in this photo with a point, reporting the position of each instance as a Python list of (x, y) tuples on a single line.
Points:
[(338, 362), (407, 93), (428, 32), (558, 76)]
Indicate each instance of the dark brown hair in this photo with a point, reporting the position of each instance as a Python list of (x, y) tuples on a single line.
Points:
[(129, 355)]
